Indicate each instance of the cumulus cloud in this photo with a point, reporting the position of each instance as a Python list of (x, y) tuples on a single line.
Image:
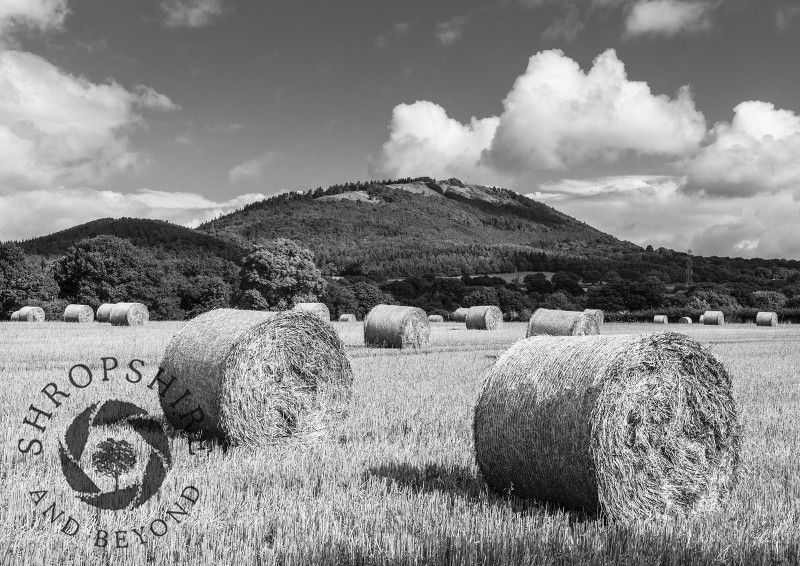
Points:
[(254, 168), (191, 13), (399, 29), (34, 14), (667, 17), (451, 31)]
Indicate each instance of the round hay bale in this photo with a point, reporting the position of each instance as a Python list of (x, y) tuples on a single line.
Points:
[(713, 318), (104, 312), (259, 377), (320, 310), (767, 319), (390, 326), (15, 316), (598, 314), (684, 320), (129, 314), (78, 313), (435, 318), (347, 318), (31, 314), (562, 323), (459, 315), (660, 319), (633, 425), (702, 319), (486, 317)]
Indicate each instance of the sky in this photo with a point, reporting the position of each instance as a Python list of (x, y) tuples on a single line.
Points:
[(672, 123)]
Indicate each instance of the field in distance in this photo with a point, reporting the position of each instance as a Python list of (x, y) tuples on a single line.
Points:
[(398, 483)]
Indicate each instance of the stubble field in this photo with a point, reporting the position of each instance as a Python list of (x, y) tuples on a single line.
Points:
[(398, 483)]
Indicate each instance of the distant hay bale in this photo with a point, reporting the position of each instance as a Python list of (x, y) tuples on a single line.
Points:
[(459, 315), (390, 326), (129, 314), (485, 317), (31, 314), (259, 377), (767, 319), (702, 319), (347, 318), (435, 318), (320, 310), (684, 320), (598, 314), (713, 318), (633, 425), (78, 313), (562, 323), (104, 312), (660, 319), (15, 316)]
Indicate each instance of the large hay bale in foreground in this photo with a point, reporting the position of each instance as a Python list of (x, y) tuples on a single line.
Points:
[(713, 318), (435, 318), (78, 313), (633, 425), (459, 315), (390, 326), (104, 312), (597, 313), (129, 314), (320, 310), (31, 314), (660, 319), (684, 320), (484, 317), (562, 323), (767, 319), (15, 316), (259, 377), (347, 317)]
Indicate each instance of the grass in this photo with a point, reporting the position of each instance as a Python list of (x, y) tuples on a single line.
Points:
[(398, 484)]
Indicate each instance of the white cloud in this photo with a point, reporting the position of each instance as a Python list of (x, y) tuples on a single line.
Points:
[(36, 14), (191, 13), (399, 29), (451, 31), (254, 168), (667, 17), (567, 26), (147, 97), (32, 213)]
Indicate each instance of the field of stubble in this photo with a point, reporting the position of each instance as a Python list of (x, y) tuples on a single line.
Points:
[(398, 484)]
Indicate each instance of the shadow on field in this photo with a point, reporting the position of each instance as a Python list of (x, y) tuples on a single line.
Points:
[(430, 478)]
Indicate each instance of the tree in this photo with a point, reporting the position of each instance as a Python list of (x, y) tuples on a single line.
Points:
[(339, 299), (367, 296), (537, 283), (203, 293), (278, 275), (23, 281), (113, 458), (563, 281)]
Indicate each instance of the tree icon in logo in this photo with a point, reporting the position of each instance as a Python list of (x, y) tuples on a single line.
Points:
[(113, 457)]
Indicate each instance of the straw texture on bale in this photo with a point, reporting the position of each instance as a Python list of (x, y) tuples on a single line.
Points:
[(259, 377), (78, 313), (104, 312), (390, 326), (459, 315), (347, 318), (660, 319), (31, 314), (598, 314), (713, 318), (486, 317), (435, 318), (562, 323), (129, 314), (320, 310), (15, 316), (634, 426), (767, 319), (684, 320)]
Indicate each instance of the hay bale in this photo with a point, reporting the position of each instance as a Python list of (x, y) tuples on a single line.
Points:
[(459, 315), (767, 319), (104, 312), (435, 318), (660, 319), (15, 316), (31, 314), (702, 319), (390, 326), (562, 323), (347, 318), (633, 425), (320, 310), (598, 314), (684, 320), (713, 318), (78, 313), (129, 314), (259, 377), (486, 317)]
